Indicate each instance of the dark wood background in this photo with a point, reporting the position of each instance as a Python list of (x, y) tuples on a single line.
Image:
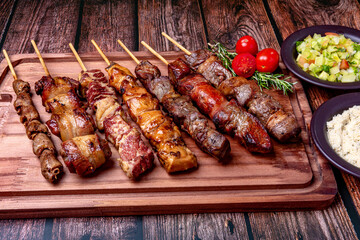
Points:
[(53, 24)]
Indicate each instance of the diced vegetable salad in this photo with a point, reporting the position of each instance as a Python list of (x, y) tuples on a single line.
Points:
[(331, 57)]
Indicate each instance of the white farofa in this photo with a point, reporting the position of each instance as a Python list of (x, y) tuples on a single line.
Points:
[(343, 132)]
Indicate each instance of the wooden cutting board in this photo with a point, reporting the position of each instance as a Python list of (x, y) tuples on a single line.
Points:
[(295, 176)]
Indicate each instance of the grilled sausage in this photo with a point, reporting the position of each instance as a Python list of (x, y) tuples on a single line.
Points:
[(280, 124), (227, 116)]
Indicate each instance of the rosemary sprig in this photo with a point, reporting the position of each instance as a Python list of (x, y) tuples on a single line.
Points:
[(264, 80), (223, 54), (267, 80)]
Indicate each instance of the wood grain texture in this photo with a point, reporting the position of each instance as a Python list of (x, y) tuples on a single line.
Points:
[(227, 21), (179, 19), (301, 225), (301, 14), (97, 228), (107, 21), (195, 226), (294, 15), (6, 7), (44, 22), (22, 229)]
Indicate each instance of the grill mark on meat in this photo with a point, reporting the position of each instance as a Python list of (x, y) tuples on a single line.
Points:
[(43, 147), (227, 116), (163, 135), (82, 150), (136, 157), (280, 124), (183, 111)]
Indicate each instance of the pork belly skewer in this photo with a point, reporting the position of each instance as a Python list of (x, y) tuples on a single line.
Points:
[(163, 134), (43, 147), (82, 150), (181, 109), (135, 156), (280, 124), (227, 116)]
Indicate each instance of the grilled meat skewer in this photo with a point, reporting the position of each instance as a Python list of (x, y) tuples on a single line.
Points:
[(280, 124), (227, 116), (82, 150), (135, 156), (183, 111), (43, 147), (163, 135), (68, 119)]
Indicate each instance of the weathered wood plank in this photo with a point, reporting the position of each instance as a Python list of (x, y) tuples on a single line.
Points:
[(22, 229), (301, 15), (227, 21), (294, 15), (44, 22), (301, 225), (107, 21), (6, 8), (250, 18), (196, 226), (179, 19), (97, 228)]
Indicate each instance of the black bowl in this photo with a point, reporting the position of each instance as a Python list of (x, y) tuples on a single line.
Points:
[(322, 115), (289, 53)]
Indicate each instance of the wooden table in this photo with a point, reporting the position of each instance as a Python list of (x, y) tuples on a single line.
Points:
[(53, 24)]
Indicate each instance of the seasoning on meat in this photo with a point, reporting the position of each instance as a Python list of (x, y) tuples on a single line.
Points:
[(280, 124), (183, 111), (83, 151), (43, 147), (135, 156), (227, 116), (163, 135)]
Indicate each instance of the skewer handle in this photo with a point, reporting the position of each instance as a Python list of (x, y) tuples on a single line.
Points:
[(40, 58), (128, 51), (154, 52), (10, 64), (176, 43), (77, 57), (100, 52)]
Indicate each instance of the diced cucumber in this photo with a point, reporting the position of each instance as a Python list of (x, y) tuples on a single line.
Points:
[(334, 70), (319, 61), (321, 57), (348, 78), (332, 78), (323, 75), (335, 57), (357, 55), (314, 68)]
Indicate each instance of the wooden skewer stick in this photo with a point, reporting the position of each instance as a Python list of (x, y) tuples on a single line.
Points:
[(100, 52), (128, 52), (10, 64), (40, 58), (176, 43), (77, 57), (154, 52)]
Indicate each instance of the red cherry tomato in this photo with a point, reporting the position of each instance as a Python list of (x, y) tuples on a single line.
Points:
[(244, 65), (247, 44), (267, 60)]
